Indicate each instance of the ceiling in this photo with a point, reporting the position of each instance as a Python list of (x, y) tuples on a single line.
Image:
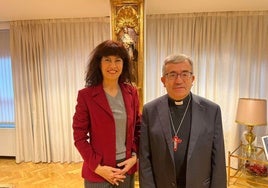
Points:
[(45, 9)]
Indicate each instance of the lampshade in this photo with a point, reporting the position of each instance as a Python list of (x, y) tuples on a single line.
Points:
[(251, 112)]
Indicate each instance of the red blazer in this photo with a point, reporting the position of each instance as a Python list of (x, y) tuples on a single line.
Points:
[(94, 128)]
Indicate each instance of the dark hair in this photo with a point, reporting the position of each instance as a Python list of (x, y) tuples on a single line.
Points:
[(109, 47)]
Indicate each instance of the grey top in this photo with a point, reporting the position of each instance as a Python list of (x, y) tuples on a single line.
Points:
[(117, 106)]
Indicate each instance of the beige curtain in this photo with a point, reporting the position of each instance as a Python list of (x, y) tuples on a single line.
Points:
[(49, 59), (230, 53)]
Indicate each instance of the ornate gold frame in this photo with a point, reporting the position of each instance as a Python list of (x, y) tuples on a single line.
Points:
[(127, 25)]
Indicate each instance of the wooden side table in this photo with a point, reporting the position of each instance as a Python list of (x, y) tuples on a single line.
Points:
[(245, 174)]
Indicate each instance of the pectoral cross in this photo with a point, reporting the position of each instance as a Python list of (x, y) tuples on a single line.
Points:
[(176, 141)]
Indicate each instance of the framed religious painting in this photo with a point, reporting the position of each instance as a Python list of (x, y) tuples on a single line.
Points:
[(127, 26)]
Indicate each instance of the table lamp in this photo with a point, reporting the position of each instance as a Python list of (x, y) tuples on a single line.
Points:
[(251, 112)]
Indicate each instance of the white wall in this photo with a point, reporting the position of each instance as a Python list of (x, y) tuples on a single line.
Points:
[(7, 142), (4, 25)]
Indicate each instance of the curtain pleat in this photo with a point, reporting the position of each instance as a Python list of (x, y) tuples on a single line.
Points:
[(49, 59)]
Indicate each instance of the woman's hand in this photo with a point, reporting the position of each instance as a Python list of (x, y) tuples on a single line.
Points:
[(127, 164), (112, 175)]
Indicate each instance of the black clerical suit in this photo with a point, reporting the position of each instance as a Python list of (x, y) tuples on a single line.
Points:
[(204, 154)]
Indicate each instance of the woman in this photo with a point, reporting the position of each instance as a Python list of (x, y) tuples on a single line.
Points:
[(106, 122)]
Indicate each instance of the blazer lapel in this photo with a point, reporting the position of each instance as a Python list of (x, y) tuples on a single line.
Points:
[(98, 96), (163, 114), (197, 124)]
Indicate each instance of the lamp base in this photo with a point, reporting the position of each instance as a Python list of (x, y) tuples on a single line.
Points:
[(249, 150)]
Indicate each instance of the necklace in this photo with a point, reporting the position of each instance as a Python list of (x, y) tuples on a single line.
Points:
[(176, 139)]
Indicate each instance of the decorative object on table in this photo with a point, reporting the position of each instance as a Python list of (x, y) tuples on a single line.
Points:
[(265, 145), (251, 112), (256, 169)]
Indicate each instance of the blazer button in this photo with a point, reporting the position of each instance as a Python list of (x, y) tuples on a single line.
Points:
[(173, 184)]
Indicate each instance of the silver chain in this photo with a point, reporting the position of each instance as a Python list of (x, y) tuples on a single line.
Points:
[(176, 132)]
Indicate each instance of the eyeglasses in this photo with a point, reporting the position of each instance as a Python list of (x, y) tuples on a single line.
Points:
[(183, 75)]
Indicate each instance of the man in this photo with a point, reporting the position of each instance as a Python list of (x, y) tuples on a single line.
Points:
[(181, 143)]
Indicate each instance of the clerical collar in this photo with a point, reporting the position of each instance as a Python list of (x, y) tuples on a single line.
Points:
[(179, 102)]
